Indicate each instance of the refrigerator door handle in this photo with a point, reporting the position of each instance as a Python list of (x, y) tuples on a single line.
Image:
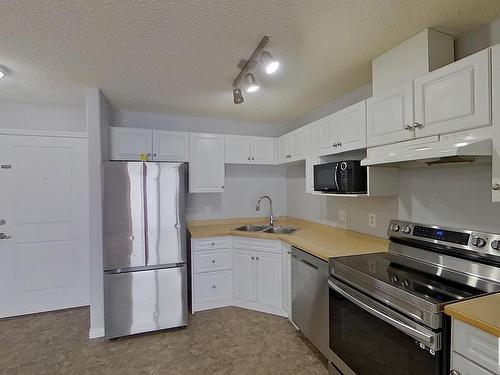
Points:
[(145, 200)]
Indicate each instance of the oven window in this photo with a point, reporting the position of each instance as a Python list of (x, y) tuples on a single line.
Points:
[(370, 346)]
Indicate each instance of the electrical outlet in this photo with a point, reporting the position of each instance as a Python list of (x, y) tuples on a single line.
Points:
[(343, 215), (372, 220)]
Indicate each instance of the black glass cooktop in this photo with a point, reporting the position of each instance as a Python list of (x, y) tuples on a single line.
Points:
[(398, 271)]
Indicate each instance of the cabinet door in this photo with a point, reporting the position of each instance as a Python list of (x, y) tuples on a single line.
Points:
[(312, 155), (327, 135), (130, 143), (244, 274), (206, 163), (495, 160), (287, 278), (262, 150), (454, 97), (298, 144), (284, 154), (387, 115), (237, 149), (351, 128), (170, 145), (269, 278), (463, 366)]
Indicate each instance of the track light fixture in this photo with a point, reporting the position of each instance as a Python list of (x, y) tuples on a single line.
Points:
[(269, 62), (237, 97), (252, 85), (3, 72), (245, 66)]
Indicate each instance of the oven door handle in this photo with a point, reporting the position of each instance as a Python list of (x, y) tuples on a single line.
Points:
[(429, 338)]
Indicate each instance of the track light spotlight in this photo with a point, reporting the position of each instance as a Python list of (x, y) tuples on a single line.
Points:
[(3, 72), (237, 97), (269, 62), (252, 85)]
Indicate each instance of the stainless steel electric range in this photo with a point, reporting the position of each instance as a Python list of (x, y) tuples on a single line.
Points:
[(386, 309)]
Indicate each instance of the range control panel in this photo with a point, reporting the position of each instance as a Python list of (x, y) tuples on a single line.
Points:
[(480, 242)]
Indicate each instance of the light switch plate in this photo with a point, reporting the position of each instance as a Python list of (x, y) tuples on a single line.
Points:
[(343, 215), (372, 220)]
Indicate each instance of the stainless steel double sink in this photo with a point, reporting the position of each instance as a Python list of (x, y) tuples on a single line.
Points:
[(266, 229)]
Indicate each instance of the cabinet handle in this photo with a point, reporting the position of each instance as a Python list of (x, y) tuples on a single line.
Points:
[(289, 156), (212, 243), (417, 125), (4, 236), (288, 252), (455, 372), (495, 186), (253, 258)]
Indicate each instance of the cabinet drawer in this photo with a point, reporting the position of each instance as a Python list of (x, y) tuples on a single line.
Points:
[(465, 367), (273, 246), (212, 243), (212, 260), (476, 345), (212, 285)]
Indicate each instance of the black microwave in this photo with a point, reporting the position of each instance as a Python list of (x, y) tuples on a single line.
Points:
[(347, 177)]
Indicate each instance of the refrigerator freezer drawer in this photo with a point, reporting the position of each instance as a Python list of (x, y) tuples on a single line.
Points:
[(145, 301)]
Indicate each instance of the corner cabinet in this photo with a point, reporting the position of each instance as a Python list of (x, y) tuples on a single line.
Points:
[(206, 163), (249, 150), (148, 145)]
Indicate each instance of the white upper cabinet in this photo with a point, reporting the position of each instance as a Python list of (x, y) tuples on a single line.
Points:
[(455, 97), (390, 116), (344, 130), (249, 150), (237, 149), (147, 144), (292, 146), (131, 143), (262, 150), (495, 160), (206, 163), (170, 145), (313, 131)]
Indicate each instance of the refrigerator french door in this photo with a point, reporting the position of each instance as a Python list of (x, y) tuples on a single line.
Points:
[(144, 238)]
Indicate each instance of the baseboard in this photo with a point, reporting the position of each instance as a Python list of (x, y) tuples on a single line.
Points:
[(95, 333)]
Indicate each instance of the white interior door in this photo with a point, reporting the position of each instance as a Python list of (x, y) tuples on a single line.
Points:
[(44, 202)]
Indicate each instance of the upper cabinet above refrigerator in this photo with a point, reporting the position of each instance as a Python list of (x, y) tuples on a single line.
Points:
[(133, 144)]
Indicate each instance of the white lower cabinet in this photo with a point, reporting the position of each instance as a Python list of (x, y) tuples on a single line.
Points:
[(245, 272), (474, 351)]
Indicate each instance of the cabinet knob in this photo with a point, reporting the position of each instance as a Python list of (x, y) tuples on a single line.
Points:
[(4, 236), (253, 158), (149, 153), (249, 158), (253, 258), (213, 286), (289, 156), (495, 186), (2, 221), (257, 258), (155, 154), (222, 187), (212, 243), (339, 143), (288, 252), (455, 372), (417, 125), (408, 127), (213, 261), (334, 145)]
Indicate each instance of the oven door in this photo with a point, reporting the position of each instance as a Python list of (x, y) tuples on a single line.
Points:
[(325, 177), (371, 338)]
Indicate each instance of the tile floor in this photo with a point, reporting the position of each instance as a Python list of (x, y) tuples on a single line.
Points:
[(223, 341)]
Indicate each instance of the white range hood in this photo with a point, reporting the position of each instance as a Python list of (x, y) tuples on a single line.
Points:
[(436, 149)]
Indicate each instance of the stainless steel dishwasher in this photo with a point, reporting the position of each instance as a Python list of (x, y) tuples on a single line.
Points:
[(310, 298)]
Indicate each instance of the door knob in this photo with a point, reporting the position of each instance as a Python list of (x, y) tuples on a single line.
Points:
[(4, 236)]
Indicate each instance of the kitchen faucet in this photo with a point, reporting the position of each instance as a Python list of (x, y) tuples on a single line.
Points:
[(272, 219)]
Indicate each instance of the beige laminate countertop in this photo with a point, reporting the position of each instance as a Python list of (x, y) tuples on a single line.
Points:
[(481, 312), (320, 240)]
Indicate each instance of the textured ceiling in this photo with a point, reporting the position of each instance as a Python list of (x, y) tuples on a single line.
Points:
[(180, 56)]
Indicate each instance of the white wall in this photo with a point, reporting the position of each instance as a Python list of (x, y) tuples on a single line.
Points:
[(98, 119), (244, 185), (458, 196), (42, 117), (477, 40), (195, 124)]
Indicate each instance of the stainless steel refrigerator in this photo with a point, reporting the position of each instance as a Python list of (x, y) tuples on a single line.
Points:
[(144, 238)]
